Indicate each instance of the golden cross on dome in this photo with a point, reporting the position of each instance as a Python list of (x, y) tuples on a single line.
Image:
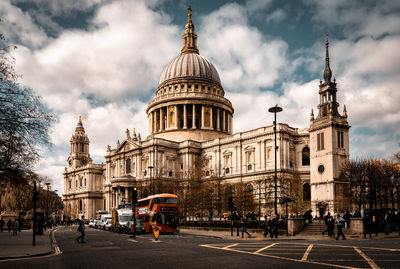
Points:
[(190, 13), (80, 118)]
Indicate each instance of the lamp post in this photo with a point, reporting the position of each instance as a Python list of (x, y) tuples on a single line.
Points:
[(275, 109), (151, 179), (47, 200)]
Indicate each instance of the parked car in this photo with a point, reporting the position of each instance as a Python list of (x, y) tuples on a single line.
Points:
[(92, 223), (107, 225)]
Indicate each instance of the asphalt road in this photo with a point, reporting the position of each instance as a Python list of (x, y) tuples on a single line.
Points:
[(115, 251)]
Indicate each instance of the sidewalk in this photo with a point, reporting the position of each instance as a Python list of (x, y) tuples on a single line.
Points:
[(260, 236), (21, 245)]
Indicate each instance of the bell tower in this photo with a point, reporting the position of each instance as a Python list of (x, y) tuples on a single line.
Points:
[(329, 146), (79, 155)]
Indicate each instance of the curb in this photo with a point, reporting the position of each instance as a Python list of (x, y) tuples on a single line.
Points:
[(55, 250)]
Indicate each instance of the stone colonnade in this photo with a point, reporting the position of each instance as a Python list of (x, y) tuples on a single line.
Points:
[(190, 116), (121, 194)]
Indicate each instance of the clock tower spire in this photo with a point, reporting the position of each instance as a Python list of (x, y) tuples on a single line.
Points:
[(329, 147), (79, 155)]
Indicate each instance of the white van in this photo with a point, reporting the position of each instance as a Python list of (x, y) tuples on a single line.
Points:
[(125, 218), (103, 220)]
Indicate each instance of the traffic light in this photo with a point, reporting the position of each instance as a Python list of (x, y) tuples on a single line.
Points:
[(230, 204), (134, 195)]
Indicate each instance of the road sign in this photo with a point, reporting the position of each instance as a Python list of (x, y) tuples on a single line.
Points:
[(156, 232)]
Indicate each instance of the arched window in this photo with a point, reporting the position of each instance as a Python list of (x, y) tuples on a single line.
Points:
[(128, 166), (305, 156), (306, 192), (170, 173)]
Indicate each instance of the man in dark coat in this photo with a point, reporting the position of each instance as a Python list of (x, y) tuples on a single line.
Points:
[(1, 224), (331, 227), (275, 224), (244, 226), (367, 223), (9, 224), (326, 218), (81, 229)]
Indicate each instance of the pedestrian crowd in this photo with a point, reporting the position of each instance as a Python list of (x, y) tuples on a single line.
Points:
[(12, 225), (270, 226), (370, 221)]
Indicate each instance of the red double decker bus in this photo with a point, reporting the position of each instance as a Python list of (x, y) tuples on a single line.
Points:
[(161, 210)]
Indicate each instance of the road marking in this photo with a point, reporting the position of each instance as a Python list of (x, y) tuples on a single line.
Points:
[(132, 240), (368, 259), (230, 246), (282, 258), (305, 256), (264, 248)]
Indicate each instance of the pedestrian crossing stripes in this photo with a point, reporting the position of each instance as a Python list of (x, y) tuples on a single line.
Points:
[(339, 256)]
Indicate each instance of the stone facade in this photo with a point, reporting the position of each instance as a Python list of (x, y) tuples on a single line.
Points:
[(190, 117)]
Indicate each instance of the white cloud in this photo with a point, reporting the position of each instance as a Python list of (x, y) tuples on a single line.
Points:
[(357, 17), (244, 58), (276, 16), (19, 28)]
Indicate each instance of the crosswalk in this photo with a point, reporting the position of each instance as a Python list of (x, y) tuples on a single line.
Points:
[(339, 256)]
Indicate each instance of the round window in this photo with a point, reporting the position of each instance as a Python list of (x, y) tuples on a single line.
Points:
[(321, 168)]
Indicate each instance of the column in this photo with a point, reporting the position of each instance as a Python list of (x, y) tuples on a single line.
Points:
[(161, 119), (126, 195), (176, 117), (224, 120), (202, 117), (218, 120), (229, 122), (184, 117), (167, 123), (151, 123), (211, 118), (194, 117)]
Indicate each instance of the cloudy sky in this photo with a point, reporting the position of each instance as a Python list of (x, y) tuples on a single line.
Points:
[(103, 59)]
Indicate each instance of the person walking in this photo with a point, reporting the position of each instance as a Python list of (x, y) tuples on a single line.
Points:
[(367, 224), (9, 224), (244, 226), (331, 227), (392, 222), (81, 229), (275, 224), (346, 217), (267, 226), (1, 224), (326, 218), (15, 227), (339, 224)]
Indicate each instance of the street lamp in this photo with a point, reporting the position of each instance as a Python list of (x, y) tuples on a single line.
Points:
[(47, 200), (151, 179), (275, 109)]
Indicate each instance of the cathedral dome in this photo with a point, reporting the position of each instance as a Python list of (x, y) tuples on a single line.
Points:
[(190, 65)]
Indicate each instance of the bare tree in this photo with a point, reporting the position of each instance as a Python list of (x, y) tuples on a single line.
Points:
[(24, 121), (354, 172)]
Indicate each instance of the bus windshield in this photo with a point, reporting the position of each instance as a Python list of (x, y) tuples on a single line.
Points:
[(168, 219), (165, 200)]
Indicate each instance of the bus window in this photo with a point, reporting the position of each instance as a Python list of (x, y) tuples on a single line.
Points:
[(167, 200)]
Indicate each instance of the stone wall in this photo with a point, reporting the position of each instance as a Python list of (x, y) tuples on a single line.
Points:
[(295, 225)]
